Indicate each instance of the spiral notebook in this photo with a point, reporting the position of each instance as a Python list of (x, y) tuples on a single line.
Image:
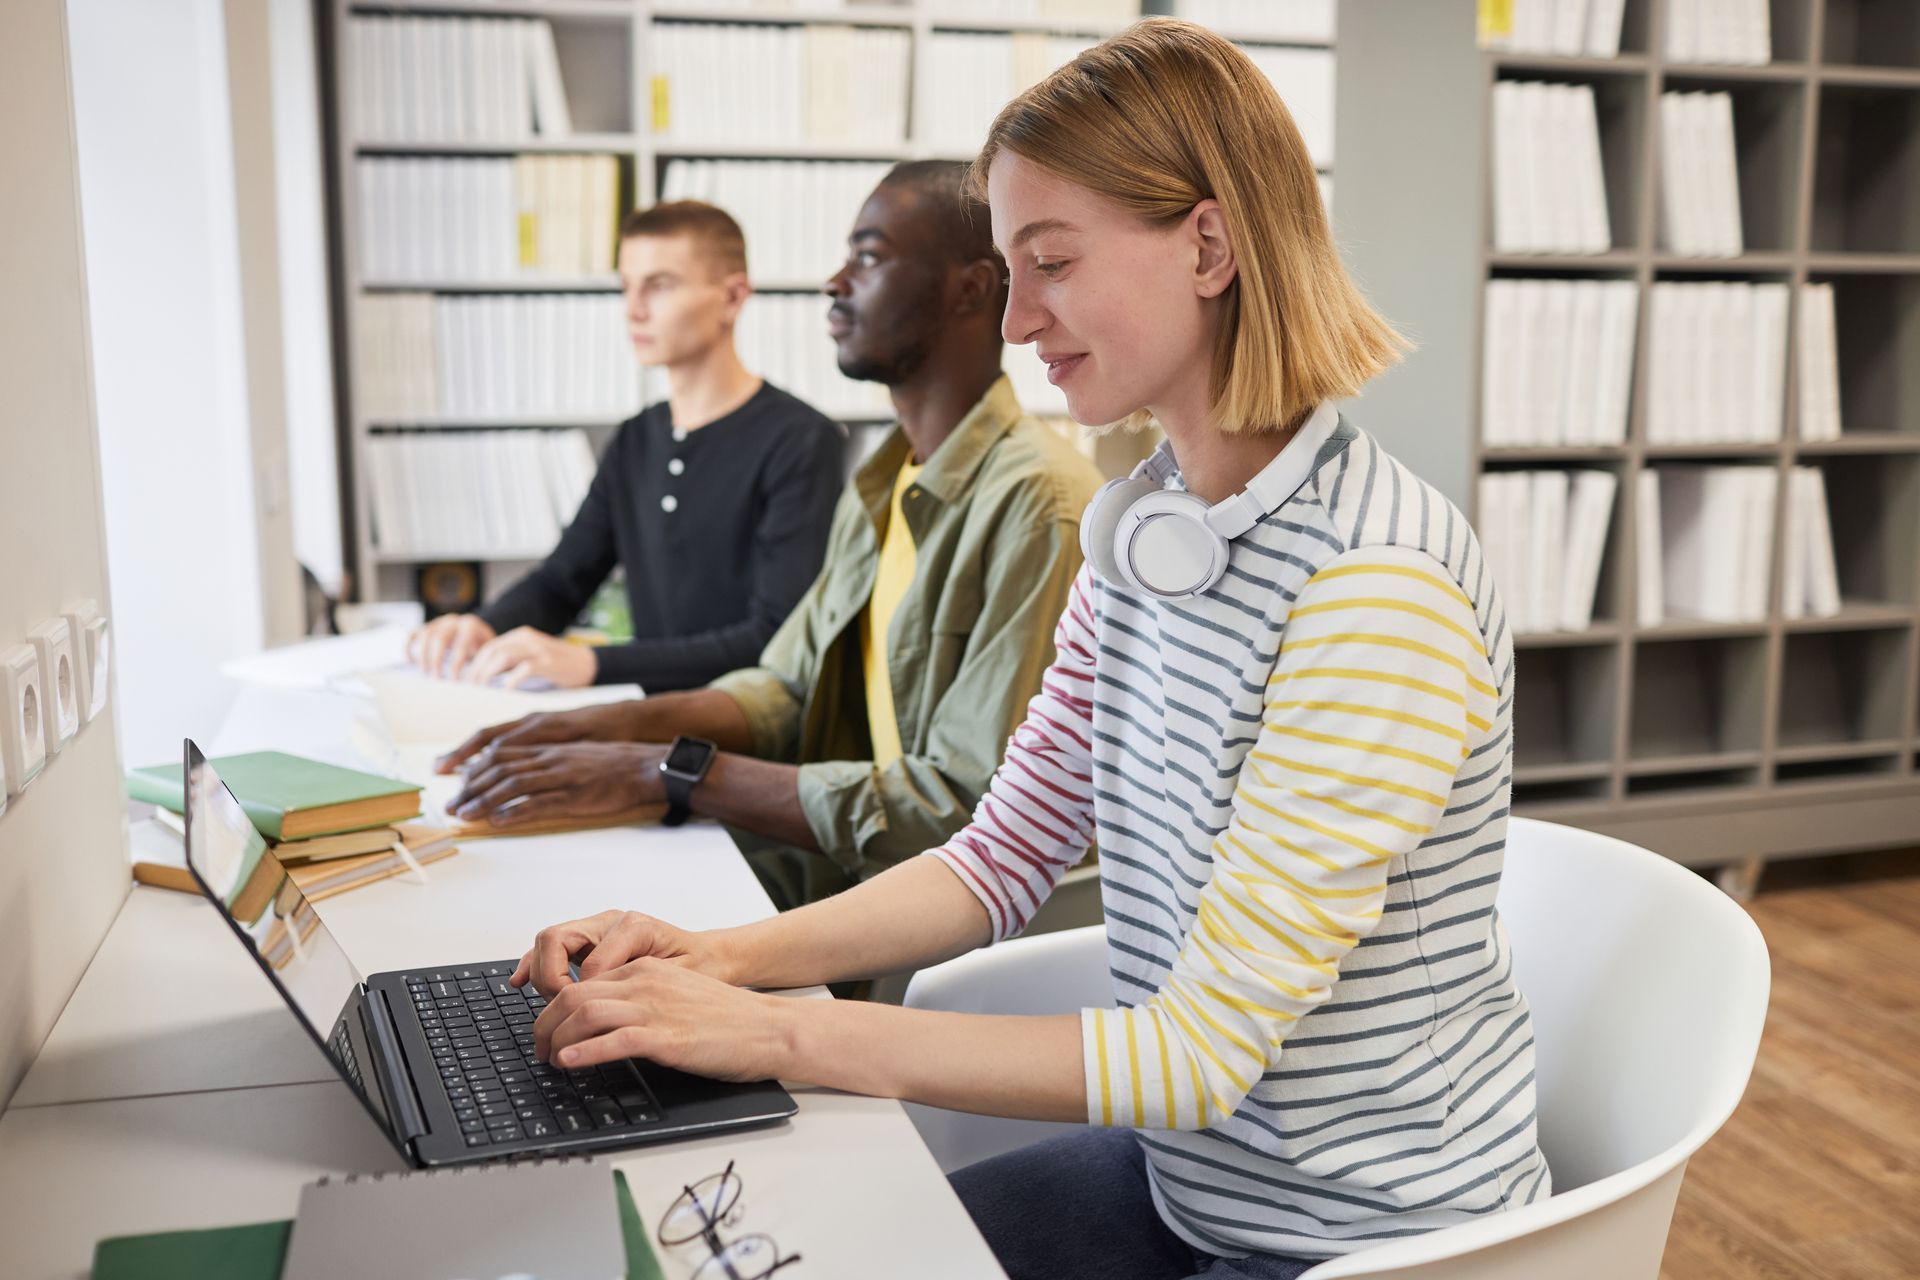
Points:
[(555, 1219)]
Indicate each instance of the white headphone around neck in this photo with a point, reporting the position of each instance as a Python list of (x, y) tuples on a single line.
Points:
[(1169, 543)]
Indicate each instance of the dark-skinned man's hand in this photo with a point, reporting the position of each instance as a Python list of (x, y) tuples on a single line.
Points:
[(512, 785), (607, 722)]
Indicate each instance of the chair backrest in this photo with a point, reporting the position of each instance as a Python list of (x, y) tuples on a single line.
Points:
[(1648, 987)]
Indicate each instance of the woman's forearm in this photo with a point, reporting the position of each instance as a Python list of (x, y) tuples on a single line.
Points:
[(908, 917), (1027, 1068)]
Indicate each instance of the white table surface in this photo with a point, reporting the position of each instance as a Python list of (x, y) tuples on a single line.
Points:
[(177, 1091)]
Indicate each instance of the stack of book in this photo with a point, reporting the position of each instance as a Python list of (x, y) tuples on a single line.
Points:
[(1544, 534), (334, 829), (1557, 362), (1569, 28), (1699, 176), (1819, 364), (1305, 21), (465, 494), (1722, 31), (1705, 538), (462, 220), (1810, 573), (496, 357), (796, 213), (1549, 188), (1717, 363), (823, 84), (454, 79)]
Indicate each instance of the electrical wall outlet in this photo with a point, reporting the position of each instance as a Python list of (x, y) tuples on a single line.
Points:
[(23, 740), (60, 709), (87, 632)]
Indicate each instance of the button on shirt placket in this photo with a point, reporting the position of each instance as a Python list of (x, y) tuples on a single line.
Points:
[(669, 503)]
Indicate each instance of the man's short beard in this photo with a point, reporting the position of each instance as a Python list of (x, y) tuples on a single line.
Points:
[(890, 372)]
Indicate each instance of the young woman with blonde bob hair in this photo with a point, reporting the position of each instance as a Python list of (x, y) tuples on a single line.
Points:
[(1282, 708)]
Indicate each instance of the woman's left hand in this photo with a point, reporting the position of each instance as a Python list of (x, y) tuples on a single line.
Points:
[(666, 1013)]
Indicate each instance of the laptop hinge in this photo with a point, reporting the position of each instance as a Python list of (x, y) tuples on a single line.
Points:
[(394, 1080)]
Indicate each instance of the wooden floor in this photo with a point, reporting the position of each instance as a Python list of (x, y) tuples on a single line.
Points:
[(1818, 1173)]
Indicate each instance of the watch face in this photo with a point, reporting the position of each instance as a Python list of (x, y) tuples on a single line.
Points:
[(688, 757)]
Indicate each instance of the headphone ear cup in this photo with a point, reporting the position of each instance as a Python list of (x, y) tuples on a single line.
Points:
[(1166, 548), (1102, 521)]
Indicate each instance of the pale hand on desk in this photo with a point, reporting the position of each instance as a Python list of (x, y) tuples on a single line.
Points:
[(447, 643), (607, 722), (516, 784), (525, 654)]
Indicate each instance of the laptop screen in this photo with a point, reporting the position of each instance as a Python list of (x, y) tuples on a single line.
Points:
[(244, 879)]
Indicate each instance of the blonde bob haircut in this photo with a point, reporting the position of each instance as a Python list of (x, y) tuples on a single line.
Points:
[(1168, 114)]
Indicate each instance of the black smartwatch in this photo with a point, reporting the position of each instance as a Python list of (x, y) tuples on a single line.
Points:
[(688, 760)]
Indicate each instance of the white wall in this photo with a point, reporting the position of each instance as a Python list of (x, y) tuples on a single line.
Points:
[(312, 441), (151, 115), (63, 844)]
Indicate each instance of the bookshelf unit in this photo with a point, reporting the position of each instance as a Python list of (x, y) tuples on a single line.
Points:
[(1714, 743), (605, 51)]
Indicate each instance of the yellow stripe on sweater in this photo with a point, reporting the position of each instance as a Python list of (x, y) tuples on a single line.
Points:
[(1370, 748), (1391, 642), (1106, 1089), (1133, 1063), (1394, 606), (1357, 779), (1346, 571)]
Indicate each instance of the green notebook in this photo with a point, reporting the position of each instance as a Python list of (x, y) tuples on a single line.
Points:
[(258, 1250), (289, 797)]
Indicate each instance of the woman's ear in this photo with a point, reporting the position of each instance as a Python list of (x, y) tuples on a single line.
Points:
[(1214, 266)]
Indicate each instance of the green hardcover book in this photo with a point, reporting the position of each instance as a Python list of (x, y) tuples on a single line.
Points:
[(258, 1250), (289, 797)]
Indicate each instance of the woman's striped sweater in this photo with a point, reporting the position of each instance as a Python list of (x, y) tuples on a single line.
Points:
[(1299, 785)]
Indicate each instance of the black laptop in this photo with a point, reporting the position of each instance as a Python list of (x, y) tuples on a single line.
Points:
[(441, 1057)]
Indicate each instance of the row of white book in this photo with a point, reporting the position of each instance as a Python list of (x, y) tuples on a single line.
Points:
[(1705, 538), (1549, 186), (497, 357), (1544, 533), (1557, 362), (788, 85), (499, 494), (451, 79), (1722, 31), (1819, 364), (1717, 363), (477, 220), (1103, 11), (510, 358), (796, 214), (1301, 21), (967, 76), (1699, 176), (1569, 28)]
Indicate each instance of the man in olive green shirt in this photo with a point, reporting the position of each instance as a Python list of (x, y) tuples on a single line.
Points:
[(993, 513)]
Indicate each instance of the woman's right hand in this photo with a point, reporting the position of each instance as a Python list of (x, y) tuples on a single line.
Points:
[(607, 722), (600, 944), (444, 646)]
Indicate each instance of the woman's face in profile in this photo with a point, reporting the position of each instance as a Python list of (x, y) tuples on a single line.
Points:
[(1110, 303)]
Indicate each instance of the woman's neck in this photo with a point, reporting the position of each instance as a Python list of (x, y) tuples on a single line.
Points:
[(1217, 464)]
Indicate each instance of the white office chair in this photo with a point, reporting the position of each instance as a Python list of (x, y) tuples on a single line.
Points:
[(1648, 988)]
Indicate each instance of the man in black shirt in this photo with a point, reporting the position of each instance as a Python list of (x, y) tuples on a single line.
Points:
[(716, 501)]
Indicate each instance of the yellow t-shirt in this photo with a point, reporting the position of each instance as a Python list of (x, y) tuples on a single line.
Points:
[(890, 583)]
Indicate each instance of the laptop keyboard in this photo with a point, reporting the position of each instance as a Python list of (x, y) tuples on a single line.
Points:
[(481, 1033)]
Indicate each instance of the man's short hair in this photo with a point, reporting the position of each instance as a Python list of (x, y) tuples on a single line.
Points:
[(965, 228), (715, 235)]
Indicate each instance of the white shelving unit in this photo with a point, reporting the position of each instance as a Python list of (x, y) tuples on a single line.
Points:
[(605, 53)]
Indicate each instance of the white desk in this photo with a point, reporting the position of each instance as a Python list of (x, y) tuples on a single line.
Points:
[(176, 1091)]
